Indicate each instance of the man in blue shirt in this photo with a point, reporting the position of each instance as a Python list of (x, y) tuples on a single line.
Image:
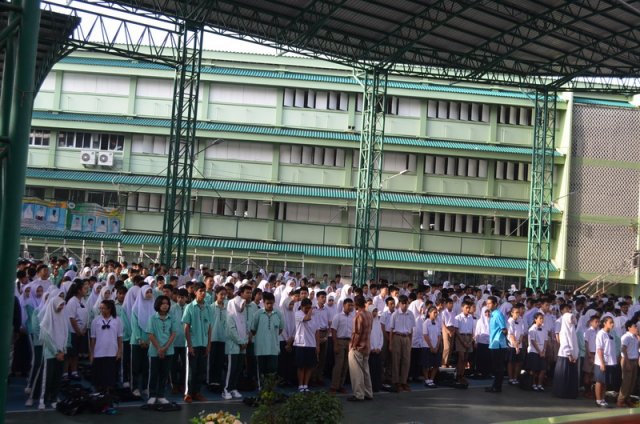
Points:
[(497, 344)]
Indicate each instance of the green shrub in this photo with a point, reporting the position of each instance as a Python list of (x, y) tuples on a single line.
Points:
[(311, 408)]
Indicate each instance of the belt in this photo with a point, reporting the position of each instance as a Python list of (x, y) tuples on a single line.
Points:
[(465, 334), (323, 329), (344, 338), (401, 335)]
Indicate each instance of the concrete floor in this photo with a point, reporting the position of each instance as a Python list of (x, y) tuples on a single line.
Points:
[(441, 405)]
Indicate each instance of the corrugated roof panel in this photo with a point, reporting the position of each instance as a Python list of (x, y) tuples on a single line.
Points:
[(601, 102), (277, 189), (242, 72), (290, 248), (287, 132)]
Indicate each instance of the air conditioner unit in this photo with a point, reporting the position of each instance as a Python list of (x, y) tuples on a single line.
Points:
[(105, 158), (87, 157)]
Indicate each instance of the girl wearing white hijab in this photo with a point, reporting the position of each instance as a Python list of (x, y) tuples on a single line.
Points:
[(36, 352), (565, 376), (375, 355), (286, 358), (105, 294), (95, 294), (141, 313), (54, 335), (481, 337)]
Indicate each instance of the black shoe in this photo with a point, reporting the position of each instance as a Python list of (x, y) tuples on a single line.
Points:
[(492, 390), (368, 398), (354, 399)]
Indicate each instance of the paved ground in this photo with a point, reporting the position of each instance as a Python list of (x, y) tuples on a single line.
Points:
[(442, 405)]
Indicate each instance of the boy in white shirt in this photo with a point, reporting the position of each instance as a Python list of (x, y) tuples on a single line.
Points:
[(306, 344), (515, 335), (536, 364), (432, 333), (629, 364), (606, 359), (590, 354), (464, 339)]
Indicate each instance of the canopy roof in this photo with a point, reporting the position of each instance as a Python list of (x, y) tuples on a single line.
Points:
[(515, 42)]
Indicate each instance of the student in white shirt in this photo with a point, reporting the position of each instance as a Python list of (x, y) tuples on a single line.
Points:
[(387, 355), (417, 345), (78, 313), (536, 364), (305, 344), (516, 331), (401, 328), (448, 331), (432, 334), (629, 364), (606, 361), (481, 339), (375, 356), (464, 339), (106, 346), (341, 330), (590, 354)]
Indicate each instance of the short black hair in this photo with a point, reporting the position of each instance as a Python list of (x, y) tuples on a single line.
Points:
[(321, 293), (158, 302), (305, 302), (403, 299), (268, 297), (359, 301)]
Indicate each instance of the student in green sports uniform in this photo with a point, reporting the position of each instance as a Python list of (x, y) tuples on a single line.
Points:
[(197, 332), (162, 330), (266, 328), (124, 365), (179, 363), (218, 336), (140, 316)]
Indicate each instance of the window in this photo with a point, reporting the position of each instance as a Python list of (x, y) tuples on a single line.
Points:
[(239, 150), (64, 195), (39, 137), (448, 222), (94, 141), (95, 83), (452, 166), (397, 219), (31, 191), (312, 213), (312, 99), (155, 144), (243, 94), (311, 155), (461, 111), (145, 202), (519, 171), (107, 199), (154, 87), (398, 162), (510, 227), (514, 115)]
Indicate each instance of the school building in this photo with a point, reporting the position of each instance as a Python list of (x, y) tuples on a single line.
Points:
[(273, 184)]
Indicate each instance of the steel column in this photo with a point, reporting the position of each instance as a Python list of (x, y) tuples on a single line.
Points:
[(365, 249), (177, 208), (541, 195), (16, 101)]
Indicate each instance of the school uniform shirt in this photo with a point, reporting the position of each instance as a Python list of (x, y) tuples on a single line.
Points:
[(305, 335), (198, 316), (322, 317), (385, 319), (161, 330), (402, 323), (219, 323), (251, 308), (432, 330), (606, 342), (464, 324), (376, 339), (267, 327), (415, 307), (516, 329), (631, 342), (126, 324), (79, 311), (539, 335), (417, 339), (379, 303), (106, 332), (448, 318), (528, 316), (343, 324), (237, 326), (549, 325), (176, 313), (590, 338)]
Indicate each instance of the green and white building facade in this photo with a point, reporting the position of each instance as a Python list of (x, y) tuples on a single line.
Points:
[(275, 170)]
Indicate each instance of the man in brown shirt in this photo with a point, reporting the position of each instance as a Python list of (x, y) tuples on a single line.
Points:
[(359, 348)]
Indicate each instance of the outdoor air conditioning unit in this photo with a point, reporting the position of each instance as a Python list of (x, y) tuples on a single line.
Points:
[(87, 157), (105, 159)]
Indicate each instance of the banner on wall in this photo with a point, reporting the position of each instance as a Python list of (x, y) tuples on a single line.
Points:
[(59, 216), (44, 215), (93, 218)]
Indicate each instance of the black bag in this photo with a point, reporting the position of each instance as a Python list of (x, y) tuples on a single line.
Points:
[(525, 381), (99, 403), (71, 406), (125, 395)]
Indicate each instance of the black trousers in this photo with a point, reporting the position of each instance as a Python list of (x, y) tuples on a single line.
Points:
[(286, 365), (179, 367), (375, 370), (197, 370), (217, 360), (498, 358)]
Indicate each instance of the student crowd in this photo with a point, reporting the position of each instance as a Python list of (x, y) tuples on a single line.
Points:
[(153, 329)]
